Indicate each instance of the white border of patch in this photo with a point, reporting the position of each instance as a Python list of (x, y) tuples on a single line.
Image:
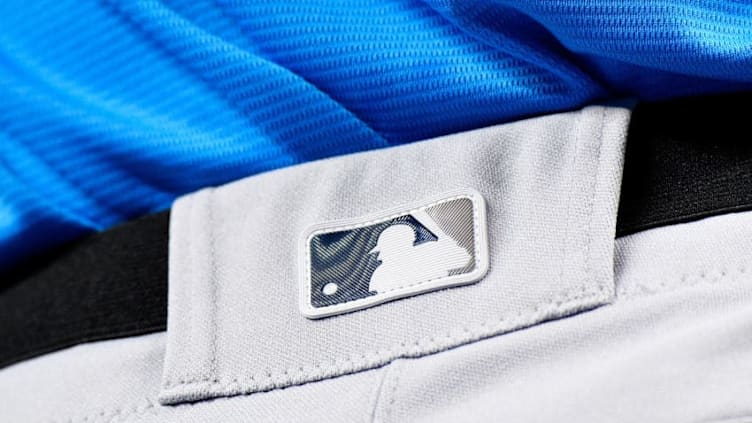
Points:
[(480, 244)]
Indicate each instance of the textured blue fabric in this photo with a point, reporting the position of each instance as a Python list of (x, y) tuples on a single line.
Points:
[(109, 110)]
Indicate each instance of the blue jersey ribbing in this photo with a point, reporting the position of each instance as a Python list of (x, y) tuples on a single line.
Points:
[(111, 109)]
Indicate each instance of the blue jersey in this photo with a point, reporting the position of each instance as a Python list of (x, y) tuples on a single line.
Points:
[(111, 109)]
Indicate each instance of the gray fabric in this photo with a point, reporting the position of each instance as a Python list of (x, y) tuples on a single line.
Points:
[(118, 381), (99, 381), (674, 346), (551, 187)]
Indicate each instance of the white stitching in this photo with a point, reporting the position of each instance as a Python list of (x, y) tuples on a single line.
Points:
[(279, 378), (686, 281), (109, 415), (214, 289), (594, 188), (565, 243)]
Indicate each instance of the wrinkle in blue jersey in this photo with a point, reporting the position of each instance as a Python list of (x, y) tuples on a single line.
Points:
[(111, 109)]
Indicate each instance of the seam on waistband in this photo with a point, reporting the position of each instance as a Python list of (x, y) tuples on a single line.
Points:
[(214, 288), (187, 301), (271, 380), (686, 281), (565, 243), (392, 396), (112, 414), (595, 189), (386, 389)]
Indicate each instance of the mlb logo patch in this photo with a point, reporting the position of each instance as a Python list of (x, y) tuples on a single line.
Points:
[(413, 249)]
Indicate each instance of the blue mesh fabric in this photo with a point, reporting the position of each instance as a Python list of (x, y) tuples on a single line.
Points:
[(110, 109)]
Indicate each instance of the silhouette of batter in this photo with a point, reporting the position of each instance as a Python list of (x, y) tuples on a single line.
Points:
[(404, 264)]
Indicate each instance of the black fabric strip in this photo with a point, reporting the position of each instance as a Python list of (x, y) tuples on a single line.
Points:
[(685, 159), (108, 285)]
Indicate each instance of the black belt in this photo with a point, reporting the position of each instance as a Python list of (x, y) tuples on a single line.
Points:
[(107, 285), (686, 159)]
